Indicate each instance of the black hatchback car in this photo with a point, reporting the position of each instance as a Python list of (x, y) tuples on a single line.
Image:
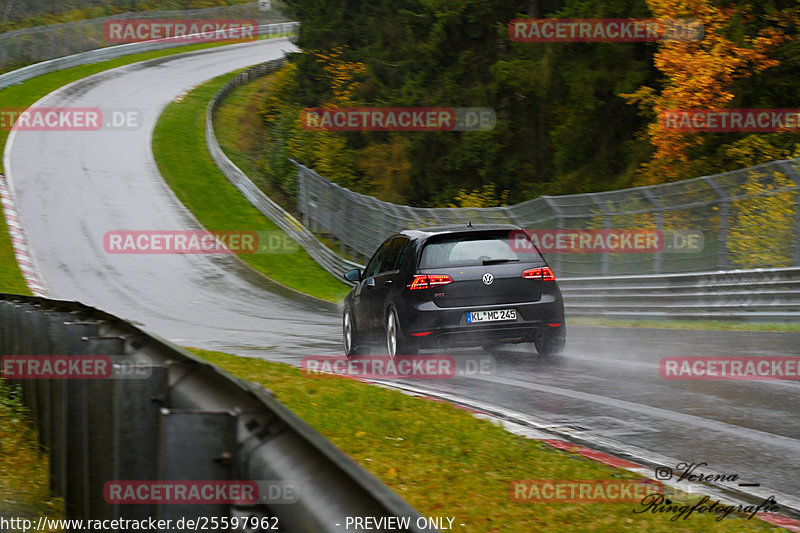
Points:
[(454, 286)]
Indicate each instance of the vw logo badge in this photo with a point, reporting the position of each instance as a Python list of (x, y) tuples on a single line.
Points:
[(488, 279)]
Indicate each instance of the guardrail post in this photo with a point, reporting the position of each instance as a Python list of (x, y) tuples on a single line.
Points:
[(196, 446), (100, 418), (57, 421), (76, 499), (302, 193), (41, 397), (136, 415)]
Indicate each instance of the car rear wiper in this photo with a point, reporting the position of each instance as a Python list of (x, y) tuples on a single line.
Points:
[(498, 261)]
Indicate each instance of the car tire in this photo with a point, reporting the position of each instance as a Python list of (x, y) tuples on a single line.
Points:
[(349, 337), (396, 342), (550, 344)]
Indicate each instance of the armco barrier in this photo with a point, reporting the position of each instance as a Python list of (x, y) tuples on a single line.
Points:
[(40, 43), (329, 259), (188, 420), (112, 52), (751, 295)]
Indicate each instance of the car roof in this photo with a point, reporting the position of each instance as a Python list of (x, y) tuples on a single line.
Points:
[(423, 233)]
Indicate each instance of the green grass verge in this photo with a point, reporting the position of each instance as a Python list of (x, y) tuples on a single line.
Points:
[(445, 462), (24, 485), (719, 325), (11, 280), (241, 134), (184, 162)]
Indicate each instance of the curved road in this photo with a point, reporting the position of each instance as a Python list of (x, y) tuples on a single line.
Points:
[(73, 187)]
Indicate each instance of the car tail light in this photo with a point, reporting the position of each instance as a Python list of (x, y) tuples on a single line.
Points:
[(544, 274), (427, 281)]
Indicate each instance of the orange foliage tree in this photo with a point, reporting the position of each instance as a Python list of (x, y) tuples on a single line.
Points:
[(697, 74)]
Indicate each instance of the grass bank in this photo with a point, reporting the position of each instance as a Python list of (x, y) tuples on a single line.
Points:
[(445, 462), (24, 485), (184, 162)]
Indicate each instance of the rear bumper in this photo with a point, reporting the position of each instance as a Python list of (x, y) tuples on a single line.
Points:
[(427, 325)]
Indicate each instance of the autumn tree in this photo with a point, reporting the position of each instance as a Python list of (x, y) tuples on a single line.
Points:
[(697, 74)]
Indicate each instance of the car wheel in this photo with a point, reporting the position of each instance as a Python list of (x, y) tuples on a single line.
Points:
[(396, 343), (349, 339), (550, 344)]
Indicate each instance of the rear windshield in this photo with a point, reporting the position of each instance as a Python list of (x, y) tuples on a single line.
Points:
[(480, 249)]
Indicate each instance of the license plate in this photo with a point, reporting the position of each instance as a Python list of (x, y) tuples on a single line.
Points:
[(497, 315)]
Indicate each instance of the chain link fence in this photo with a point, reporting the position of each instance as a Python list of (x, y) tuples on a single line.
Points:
[(40, 43), (746, 218)]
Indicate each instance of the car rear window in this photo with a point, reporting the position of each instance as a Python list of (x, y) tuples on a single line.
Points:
[(468, 250)]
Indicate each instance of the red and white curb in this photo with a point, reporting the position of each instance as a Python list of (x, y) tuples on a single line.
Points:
[(19, 242)]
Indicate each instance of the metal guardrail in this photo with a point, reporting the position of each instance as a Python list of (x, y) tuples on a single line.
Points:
[(752, 295), (329, 259), (41, 43), (187, 420), (112, 52)]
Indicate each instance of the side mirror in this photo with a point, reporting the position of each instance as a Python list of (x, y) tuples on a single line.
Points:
[(353, 275)]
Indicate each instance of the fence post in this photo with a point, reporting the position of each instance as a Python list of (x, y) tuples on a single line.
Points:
[(659, 226), (605, 258), (792, 173), (724, 223), (559, 224)]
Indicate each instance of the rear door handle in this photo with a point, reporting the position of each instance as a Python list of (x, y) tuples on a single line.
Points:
[(388, 282)]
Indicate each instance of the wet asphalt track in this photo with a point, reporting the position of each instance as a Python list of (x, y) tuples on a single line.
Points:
[(73, 187)]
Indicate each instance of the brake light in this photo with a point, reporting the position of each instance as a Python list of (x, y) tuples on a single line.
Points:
[(543, 274), (427, 281)]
